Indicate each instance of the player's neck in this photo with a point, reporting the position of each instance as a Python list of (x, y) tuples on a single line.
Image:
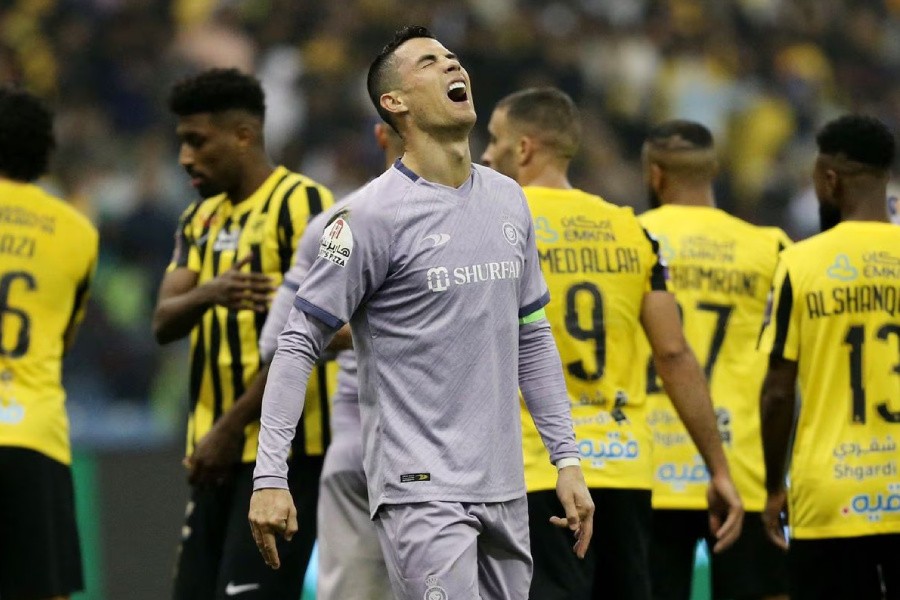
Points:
[(545, 175), (689, 195), (255, 174), (438, 161), (872, 208)]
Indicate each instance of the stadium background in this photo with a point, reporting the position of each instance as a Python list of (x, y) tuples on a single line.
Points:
[(762, 74)]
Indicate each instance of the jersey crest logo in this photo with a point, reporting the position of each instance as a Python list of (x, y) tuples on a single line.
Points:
[(842, 269), (227, 240), (437, 239), (510, 234), (337, 242)]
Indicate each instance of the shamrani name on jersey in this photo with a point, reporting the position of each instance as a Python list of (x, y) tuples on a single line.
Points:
[(856, 299)]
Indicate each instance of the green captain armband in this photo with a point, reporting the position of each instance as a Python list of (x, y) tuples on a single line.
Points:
[(535, 316)]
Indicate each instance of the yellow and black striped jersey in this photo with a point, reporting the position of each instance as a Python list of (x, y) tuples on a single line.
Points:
[(598, 263), (212, 235), (721, 271), (48, 252), (836, 312)]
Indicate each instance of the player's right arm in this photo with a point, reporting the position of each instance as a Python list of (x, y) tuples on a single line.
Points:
[(686, 386), (181, 302), (780, 338), (352, 264)]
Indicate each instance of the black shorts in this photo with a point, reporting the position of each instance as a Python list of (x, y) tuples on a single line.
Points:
[(218, 559), (857, 567), (752, 568), (616, 565), (39, 553)]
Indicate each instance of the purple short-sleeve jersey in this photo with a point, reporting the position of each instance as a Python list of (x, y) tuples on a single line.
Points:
[(433, 281)]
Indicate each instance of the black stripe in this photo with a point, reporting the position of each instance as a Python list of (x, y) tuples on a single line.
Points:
[(286, 230), (80, 295), (233, 334), (325, 423), (658, 271), (215, 346), (783, 316), (259, 318), (265, 208), (197, 361), (314, 199)]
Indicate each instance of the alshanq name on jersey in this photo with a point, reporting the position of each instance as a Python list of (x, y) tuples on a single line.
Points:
[(725, 281), (854, 299), (591, 260)]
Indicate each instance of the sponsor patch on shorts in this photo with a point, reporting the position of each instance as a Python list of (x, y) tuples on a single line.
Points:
[(411, 477)]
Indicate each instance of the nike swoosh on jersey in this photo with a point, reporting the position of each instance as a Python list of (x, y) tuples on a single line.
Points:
[(439, 239), (233, 590)]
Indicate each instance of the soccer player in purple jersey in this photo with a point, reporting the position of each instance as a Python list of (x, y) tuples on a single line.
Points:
[(434, 266), (351, 564)]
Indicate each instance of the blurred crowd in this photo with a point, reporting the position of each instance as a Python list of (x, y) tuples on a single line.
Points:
[(762, 74)]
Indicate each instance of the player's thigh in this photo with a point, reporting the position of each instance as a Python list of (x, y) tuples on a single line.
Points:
[(504, 556), (558, 573), (833, 568), (753, 567), (351, 565), (39, 551), (622, 530), (430, 550), (203, 532), (673, 543)]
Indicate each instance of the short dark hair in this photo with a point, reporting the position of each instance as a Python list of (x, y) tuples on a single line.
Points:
[(378, 80), (551, 112), (860, 138), (218, 90), (689, 134), (26, 135)]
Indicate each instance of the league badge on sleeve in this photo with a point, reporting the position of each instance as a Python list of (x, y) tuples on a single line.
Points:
[(337, 241)]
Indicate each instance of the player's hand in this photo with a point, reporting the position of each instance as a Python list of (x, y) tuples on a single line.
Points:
[(272, 513), (237, 290), (576, 500), (726, 511), (215, 456), (776, 506)]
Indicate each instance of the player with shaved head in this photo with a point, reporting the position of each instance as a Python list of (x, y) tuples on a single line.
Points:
[(721, 269)]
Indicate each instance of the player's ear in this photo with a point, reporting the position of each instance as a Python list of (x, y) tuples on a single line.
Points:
[(657, 175), (525, 149), (393, 103)]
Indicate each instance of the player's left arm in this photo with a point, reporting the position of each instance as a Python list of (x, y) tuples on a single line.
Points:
[(543, 387), (544, 390), (686, 386)]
